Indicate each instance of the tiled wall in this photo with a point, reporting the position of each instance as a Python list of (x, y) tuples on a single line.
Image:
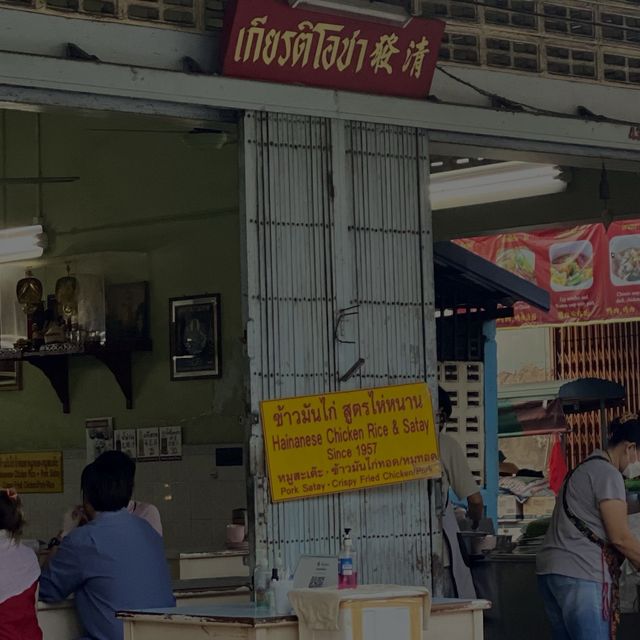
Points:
[(194, 498)]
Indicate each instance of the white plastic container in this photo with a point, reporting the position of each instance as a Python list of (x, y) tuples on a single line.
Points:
[(366, 613)]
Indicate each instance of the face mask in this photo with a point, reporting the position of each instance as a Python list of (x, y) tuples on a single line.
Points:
[(632, 470)]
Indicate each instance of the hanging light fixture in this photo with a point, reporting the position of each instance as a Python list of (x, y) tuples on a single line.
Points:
[(22, 243), (494, 183)]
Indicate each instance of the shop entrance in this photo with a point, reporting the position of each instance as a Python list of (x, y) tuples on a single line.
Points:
[(143, 212), (565, 224)]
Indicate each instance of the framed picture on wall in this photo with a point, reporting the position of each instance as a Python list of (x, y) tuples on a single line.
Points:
[(196, 337), (10, 375), (128, 314)]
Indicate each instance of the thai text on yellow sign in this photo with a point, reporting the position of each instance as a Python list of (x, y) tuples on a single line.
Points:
[(32, 472), (349, 440)]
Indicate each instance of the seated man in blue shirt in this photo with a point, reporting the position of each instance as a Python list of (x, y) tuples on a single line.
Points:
[(114, 562)]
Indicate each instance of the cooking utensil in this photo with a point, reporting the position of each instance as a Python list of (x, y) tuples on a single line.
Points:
[(477, 543)]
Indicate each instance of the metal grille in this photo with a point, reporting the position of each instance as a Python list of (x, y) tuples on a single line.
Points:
[(291, 303), (507, 53), (191, 15), (570, 62), (460, 47), (336, 219), (587, 40), (601, 350), (530, 27), (390, 240), (91, 7)]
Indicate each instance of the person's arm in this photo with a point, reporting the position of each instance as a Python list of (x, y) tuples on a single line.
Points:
[(462, 481), (475, 508), (152, 516), (63, 573), (614, 516)]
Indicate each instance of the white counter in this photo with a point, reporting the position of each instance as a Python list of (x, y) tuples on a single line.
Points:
[(208, 564), (450, 619), (60, 622)]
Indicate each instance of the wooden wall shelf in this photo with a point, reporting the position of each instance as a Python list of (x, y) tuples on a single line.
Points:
[(55, 365)]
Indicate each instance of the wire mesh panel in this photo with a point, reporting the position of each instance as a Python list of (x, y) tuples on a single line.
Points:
[(290, 304), (390, 239), (609, 351), (339, 296)]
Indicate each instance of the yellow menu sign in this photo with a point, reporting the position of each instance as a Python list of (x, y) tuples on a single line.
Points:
[(349, 440), (32, 472)]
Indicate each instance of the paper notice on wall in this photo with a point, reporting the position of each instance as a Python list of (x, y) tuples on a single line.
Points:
[(170, 443), (148, 444), (126, 440), (99, 436), (32, 472)]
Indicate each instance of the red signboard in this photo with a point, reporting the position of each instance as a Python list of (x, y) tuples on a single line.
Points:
[(592, 274), (269, 40)]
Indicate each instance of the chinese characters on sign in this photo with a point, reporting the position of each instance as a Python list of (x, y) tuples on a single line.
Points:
[(268, 40), (592, 273), (349, 440), (34, 472)]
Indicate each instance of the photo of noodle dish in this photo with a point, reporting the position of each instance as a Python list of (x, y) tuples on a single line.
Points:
[(520, 261), (624, 260), (571, 265)]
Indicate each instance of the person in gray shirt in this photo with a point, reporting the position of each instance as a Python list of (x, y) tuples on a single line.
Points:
[(579, 564)]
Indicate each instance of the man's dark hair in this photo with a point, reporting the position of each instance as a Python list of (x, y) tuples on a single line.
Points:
[(119, 462), (105, 488), (444, 402), (11, 518), (625, 429)]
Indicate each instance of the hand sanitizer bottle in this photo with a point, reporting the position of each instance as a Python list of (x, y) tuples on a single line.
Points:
[(271, 593), (347, 574)]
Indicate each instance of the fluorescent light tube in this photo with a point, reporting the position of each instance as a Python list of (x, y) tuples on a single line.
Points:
[(376, 11), (494, 183), (22, 243)]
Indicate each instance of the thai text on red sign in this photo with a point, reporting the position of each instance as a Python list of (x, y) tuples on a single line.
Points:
[(591, 273), (269, 40)]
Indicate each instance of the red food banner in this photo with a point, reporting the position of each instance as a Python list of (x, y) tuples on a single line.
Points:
[(592, 274), (269, 40)]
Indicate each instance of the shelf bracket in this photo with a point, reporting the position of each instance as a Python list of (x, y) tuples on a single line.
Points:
[(119, 363), (56, 368)]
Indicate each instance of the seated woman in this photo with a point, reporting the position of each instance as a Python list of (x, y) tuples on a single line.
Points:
[(19, 573)]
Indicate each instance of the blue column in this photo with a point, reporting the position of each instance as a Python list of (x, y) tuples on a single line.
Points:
[(490, 494)]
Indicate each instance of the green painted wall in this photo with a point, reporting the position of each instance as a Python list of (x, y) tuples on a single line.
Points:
[(138, 192)]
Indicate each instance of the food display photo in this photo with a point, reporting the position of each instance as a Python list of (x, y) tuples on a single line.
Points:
[(624, 254), (571, 265), (520, 261)]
